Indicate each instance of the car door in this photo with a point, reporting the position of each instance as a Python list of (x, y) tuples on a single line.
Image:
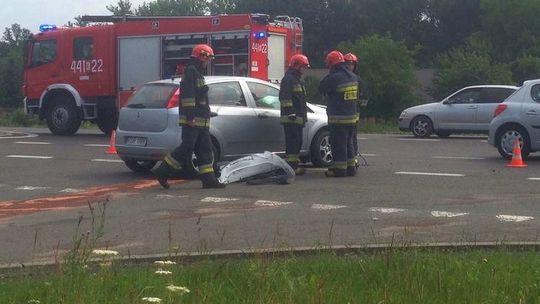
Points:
[(265, 99), (458, 111), (530, 114), (490, 97), (236, 123)]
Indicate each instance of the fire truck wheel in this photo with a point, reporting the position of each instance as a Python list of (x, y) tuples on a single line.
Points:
[(63, 117), (107, 120), (139, 166)]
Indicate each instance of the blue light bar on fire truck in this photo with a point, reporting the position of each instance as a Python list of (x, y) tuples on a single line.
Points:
[(260, 35), (47, 27)]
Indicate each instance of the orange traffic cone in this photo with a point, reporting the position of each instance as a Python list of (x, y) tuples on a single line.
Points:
[(516, 161), (112, 145)]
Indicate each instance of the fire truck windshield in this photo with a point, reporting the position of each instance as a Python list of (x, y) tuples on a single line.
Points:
[(43, 51)]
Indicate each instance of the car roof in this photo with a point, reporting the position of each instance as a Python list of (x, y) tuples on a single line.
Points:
[(211, 79), (492, 86)]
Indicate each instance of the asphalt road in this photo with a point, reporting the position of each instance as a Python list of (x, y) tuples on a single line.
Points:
[(411, 191)]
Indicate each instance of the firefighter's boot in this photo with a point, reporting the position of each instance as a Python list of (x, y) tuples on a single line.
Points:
[(300, 171), (209, 180), (352, 166), (162, 173), (334, 172)]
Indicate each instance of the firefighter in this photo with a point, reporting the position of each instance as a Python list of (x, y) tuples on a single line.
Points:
[(352, 65), (194, 117), (340, 88), (292, 96)]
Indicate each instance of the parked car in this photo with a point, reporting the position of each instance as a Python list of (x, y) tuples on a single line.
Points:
[(247, 120), (517, 118), (467, 110)]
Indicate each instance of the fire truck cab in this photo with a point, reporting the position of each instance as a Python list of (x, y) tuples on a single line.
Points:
[(88, 73)]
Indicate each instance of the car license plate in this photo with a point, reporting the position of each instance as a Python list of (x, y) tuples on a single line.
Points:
[(135, 141)]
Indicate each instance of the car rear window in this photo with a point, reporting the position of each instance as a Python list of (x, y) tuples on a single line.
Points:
[(152, 96), (496, 95)]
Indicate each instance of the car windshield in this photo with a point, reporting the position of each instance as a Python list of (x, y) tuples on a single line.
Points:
[(152, 96)]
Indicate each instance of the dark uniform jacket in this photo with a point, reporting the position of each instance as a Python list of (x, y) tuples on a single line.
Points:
[(292, 96), (194, 96), (340, 87)]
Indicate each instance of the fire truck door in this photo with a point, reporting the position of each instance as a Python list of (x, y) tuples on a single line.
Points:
[(276, 57), (90, 65), (139, 61)]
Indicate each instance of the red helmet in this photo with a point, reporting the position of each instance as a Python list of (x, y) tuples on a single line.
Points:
[(202, 51), (350, 57), (298, 61), (333, 58)]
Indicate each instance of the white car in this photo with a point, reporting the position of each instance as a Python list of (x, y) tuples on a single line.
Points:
[(517, 118), (467, 110), (247, 121)]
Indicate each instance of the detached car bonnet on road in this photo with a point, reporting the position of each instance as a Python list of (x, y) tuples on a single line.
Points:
[(247, 120)]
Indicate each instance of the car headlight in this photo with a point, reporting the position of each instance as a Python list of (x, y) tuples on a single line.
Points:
[(403, 114)]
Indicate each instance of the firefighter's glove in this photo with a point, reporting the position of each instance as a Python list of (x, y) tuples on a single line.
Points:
[(204, 89), (292, 116)]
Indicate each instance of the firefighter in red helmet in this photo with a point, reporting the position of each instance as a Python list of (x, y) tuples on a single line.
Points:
[(292, 96), (363, 93), (194, 117), (340, 88)]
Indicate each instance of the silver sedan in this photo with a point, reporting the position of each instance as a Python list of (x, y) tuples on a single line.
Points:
[(247, 120), (467, 110)]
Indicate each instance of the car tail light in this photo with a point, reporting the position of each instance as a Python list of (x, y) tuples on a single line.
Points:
[(174, 101), (499, 109)]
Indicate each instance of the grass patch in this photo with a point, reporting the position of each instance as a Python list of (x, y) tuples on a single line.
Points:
[(396, 276), (373, 125), (10, 117)]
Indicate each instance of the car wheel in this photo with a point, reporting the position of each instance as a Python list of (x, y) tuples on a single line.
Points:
[(443, 134), (507, 137), (421, 126), (107, 120), (63, 117), (321, 151), (192, 167), (139, 166)]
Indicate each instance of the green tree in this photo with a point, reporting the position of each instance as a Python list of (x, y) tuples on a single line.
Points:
[(122, 7), (173, 8), (525, 68), (388, 69), (469, 65), (11, 64)]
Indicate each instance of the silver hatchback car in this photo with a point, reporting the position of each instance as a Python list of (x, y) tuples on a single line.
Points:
[(247, 120), (517, 118), (467, 110)]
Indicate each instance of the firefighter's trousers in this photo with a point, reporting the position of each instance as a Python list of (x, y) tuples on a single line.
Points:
[(195, 140), (293, 143), (355, 140), (341, 140)]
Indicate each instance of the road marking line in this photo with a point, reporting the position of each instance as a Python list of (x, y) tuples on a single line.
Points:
[(484, 141), (362, 138), (212, 199), (264, 203), (534, 178), (327, 207), (429, 174), (386, 210), (32, 142), (458, 157), (96, 145), (29, 156), (168, 196), (31, 188), (447, 214), (367, 154), (513, 218), (418, 139), (104, 160), (70, 190)]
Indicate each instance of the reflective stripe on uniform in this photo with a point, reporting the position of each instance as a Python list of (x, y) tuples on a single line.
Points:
[(298, 120), (199, 121), (172, 162), (297, 88), (339, 165), (286, 103), (342, 119), (205, 169), (188, 102), (347, 87), (352, 162), (292, 158)]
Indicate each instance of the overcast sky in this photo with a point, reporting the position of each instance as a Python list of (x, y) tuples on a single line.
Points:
[(31, 13)]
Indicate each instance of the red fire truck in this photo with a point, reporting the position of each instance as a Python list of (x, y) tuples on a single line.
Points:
[(88, 73)]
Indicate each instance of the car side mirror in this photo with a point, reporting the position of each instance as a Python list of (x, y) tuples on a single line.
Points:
[(213, 114)]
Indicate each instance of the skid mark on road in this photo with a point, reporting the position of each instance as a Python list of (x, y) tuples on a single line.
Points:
[(80, 199)]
